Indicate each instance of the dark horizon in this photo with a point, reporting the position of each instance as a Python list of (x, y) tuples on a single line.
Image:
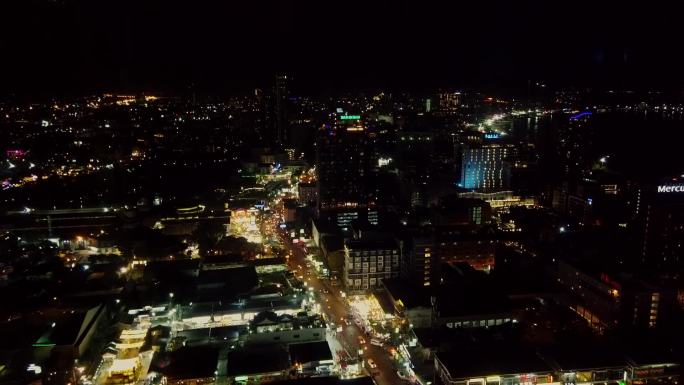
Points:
[(64, 47)]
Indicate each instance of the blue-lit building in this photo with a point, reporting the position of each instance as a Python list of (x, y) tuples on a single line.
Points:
[(486, 168)]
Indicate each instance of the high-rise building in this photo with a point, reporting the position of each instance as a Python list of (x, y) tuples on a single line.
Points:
[(486, 168), (281, 110), (308, 193), (575, 149), (341, 164), (662, 218)]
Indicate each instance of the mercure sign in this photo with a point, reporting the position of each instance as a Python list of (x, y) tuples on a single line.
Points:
[(671, 188)]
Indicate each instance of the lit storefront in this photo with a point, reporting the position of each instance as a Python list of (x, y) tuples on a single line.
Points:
[(367, 307), (243, 223)]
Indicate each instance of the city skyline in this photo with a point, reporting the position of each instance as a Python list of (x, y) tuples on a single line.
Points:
[(341, 193)]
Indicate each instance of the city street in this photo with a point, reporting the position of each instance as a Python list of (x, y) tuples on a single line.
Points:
[(336, 310)]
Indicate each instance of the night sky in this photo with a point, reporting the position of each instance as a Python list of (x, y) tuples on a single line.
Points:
[(72, 46)]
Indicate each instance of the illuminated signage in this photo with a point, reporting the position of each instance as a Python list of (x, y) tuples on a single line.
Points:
[(492, 136), (580, 115), (350, 117), (15, 153), (671, 188), (649, 372)]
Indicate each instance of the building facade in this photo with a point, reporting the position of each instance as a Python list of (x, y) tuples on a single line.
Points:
[(341, 164), (281, 104), (368, 262), (607, 302), (486, 168), (419, 262), (308, 193), (662, 223)]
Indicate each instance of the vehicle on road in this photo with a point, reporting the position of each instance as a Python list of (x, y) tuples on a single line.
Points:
[(324, 370), (402, 374), (376, 342), (361, 340), (372, 364)]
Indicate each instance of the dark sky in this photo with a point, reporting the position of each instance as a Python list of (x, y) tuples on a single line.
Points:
[(73, 46)]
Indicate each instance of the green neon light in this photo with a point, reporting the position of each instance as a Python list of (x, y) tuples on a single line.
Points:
[(350, 117), (42, 345)]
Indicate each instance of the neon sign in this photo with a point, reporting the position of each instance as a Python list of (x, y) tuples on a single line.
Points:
[(15, 153), (492, 136), (670, 188), (581, 115), (350, 117)]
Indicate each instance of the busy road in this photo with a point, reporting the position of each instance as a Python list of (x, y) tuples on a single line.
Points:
[(376, 359)]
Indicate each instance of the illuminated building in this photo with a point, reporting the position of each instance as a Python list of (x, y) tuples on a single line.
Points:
[(661, 215), (307, 193), (505, 365), (500, 199), (419, 261), (267, 327), (449, 101), (281, 102), (607, 301), (575, 142), (485, 168), (410, 302), (243, 223), (478, 251), (368, 261), (341, 164)]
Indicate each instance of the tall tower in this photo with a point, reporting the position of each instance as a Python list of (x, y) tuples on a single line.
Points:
[(662, 220), (281, 102), (341, 158)]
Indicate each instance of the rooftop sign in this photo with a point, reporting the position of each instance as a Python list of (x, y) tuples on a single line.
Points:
[(350, 117), (671, 188)]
